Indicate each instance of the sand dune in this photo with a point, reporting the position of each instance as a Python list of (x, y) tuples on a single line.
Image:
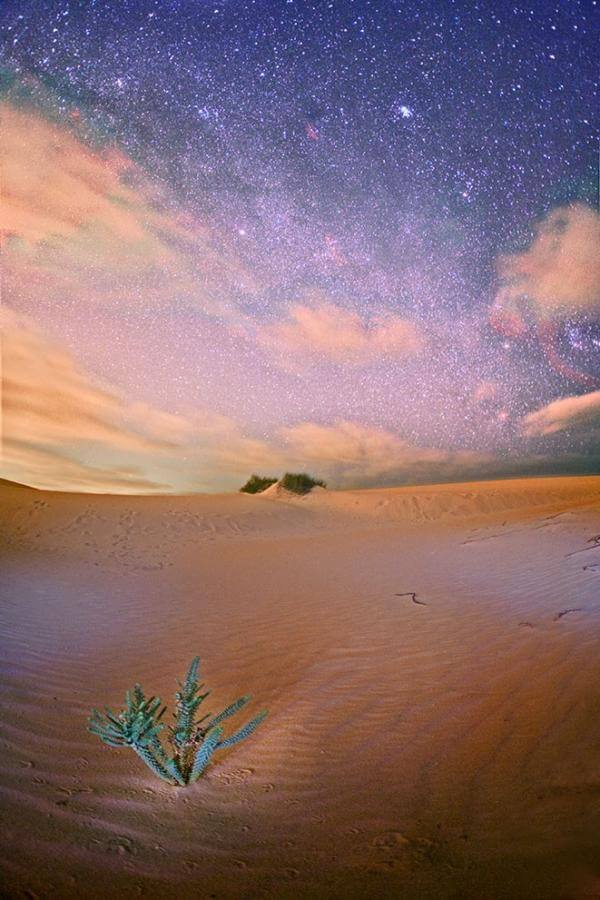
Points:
[(429, 656), (445, 502)]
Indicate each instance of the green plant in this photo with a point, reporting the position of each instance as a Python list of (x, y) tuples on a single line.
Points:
[(300, 482), (256, 484), (193, 740)]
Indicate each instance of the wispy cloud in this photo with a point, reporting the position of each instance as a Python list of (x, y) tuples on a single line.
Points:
[(577, 412), (87, 224)]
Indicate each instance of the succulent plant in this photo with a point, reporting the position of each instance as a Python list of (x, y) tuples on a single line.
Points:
[(192, 740)]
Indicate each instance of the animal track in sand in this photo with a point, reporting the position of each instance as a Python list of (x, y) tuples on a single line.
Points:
[(413, 597), (559, 615), (565, 612), (594, 540)]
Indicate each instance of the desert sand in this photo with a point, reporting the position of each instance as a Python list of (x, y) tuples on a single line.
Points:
[(430, 660)]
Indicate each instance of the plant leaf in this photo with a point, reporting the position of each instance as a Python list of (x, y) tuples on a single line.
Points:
[(192, 674), (230, 710), (204, 753), (244, 732)]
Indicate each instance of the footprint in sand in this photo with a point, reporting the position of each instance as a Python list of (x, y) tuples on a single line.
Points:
[(237, 776), (390, 840), (290, 874), (402, 853), (120, 845)]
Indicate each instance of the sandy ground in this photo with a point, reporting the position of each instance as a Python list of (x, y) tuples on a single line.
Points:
[(448, 748)]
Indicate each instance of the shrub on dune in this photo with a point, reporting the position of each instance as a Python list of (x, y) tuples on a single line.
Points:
[(192, 740), (300, 482), (256, 484)]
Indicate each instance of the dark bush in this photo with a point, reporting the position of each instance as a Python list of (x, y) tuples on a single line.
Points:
[(300, 482), (256, 484)]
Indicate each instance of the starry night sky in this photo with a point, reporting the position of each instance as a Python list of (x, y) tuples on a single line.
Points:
[(379, 222)]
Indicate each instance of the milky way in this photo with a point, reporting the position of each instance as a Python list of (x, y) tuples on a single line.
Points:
[(378, 222)]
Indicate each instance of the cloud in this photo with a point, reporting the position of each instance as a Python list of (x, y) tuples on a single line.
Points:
[(558, 277), (85, 224), (349, 454), (322, 330), (52, 469), (579, 412), (62, 430)]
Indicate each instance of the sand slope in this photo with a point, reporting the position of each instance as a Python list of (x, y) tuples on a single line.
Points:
[(448, 747)]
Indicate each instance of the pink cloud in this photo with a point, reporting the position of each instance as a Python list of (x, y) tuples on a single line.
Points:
[(323, 330), (558, 275), (87, 225)]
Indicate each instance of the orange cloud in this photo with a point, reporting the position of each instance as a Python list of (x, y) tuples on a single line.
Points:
[(581, 411), (63, 430), (559, 275), (322, 330), (60, 429)]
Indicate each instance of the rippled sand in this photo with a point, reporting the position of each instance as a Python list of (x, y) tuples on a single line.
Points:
[(441, 745)]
